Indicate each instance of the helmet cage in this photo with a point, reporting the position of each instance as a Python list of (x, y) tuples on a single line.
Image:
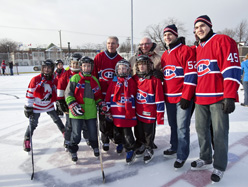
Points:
[(123, 74)]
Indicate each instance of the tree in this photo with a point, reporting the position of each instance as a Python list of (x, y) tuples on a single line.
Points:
[(125, 46), (155, 32), (7, 45), (241, 31), (229, 32)]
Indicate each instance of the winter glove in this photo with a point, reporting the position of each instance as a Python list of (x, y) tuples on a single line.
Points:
[(103, 108), (76, 109), (28, 111), (62, 105), (228, 105), (108, 117), (158, 74), (184, 103)]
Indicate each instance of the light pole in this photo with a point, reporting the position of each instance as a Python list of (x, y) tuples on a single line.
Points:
[(132, 28)]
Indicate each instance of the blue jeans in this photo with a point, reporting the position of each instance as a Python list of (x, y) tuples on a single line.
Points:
[(179, 121), (220, 124), (77, 126), (245, 85), (33, 122)]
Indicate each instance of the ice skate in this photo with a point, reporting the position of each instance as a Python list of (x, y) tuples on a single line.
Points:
[(130, 157), (201, 165), (148, 155)]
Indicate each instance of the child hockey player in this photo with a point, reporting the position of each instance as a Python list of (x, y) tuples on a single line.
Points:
[(149, 106), (58, 74), (120, 98), (82, 94), (40, 97), (62, 84)]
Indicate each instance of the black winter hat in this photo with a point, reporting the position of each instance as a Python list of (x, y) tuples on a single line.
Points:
[(171, 28), (205, 19)]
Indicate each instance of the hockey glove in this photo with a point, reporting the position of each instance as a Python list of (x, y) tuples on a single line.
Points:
[(108, 117), (228, 105), (28, 111), (62, 105), (76, 109), (184, 103), (103, 108), (158, 74)]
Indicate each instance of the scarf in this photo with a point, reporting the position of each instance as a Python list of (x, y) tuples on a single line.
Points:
[(122, 86), (44, 94), (79, 91)]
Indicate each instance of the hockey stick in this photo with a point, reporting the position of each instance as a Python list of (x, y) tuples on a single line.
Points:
[(99, 144), (31, 145)]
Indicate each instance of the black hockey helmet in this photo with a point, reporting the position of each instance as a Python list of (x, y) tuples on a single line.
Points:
[(146, 60), (58, 61), (75, 58), (87, 60), (49, 63), (128, 66)]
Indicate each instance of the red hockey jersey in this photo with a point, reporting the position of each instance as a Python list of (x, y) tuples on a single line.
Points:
[(180, 75), (117, 109), (63, 82), (149, 100), (41, 94), (218, 70), (104, 69)]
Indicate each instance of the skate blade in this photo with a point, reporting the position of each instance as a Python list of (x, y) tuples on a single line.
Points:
[(138, 156), (208, 166), (170, 156)]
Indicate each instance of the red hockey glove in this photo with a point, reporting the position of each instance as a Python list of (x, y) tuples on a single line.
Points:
[(108, 117), (103, 108), (76, 109)]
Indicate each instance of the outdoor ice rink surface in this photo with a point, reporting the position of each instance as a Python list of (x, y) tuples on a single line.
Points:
[(53, 166)]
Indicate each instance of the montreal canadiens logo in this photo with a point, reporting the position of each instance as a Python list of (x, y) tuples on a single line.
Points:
[(141, 96), (108, 74), (203, 67), (169, 72), (123, 100)]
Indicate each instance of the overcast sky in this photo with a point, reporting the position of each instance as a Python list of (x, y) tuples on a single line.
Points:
[(91, 21)]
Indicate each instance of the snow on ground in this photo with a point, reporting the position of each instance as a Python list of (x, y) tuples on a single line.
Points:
[(53, 166)]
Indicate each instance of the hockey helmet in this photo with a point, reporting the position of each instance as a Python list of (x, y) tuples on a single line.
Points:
[(126, 65), (58, 61), (49, 63), (87, 60), (75, 58), (144, 59)]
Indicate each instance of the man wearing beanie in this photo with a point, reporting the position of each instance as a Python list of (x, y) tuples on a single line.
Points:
[(178, 63), (219, 72)]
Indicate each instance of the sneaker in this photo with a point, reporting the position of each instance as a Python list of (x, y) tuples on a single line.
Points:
[(74, 157), (169, 153), (26, 145), (179, 163), (201, 164), (148, 155), (217, 175), (96, 152), (140, 151), (119, 148), (130, 157), (105, 146)]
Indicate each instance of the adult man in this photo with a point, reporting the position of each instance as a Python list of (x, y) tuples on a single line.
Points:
[(104, 68), (146, 47), (11, 68), (179, 86), (218, 70)]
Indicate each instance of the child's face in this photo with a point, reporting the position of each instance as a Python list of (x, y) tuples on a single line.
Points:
[(86, 67), (142, 67), (122, 69), (47, 69), (75, 64), (60, 66)]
